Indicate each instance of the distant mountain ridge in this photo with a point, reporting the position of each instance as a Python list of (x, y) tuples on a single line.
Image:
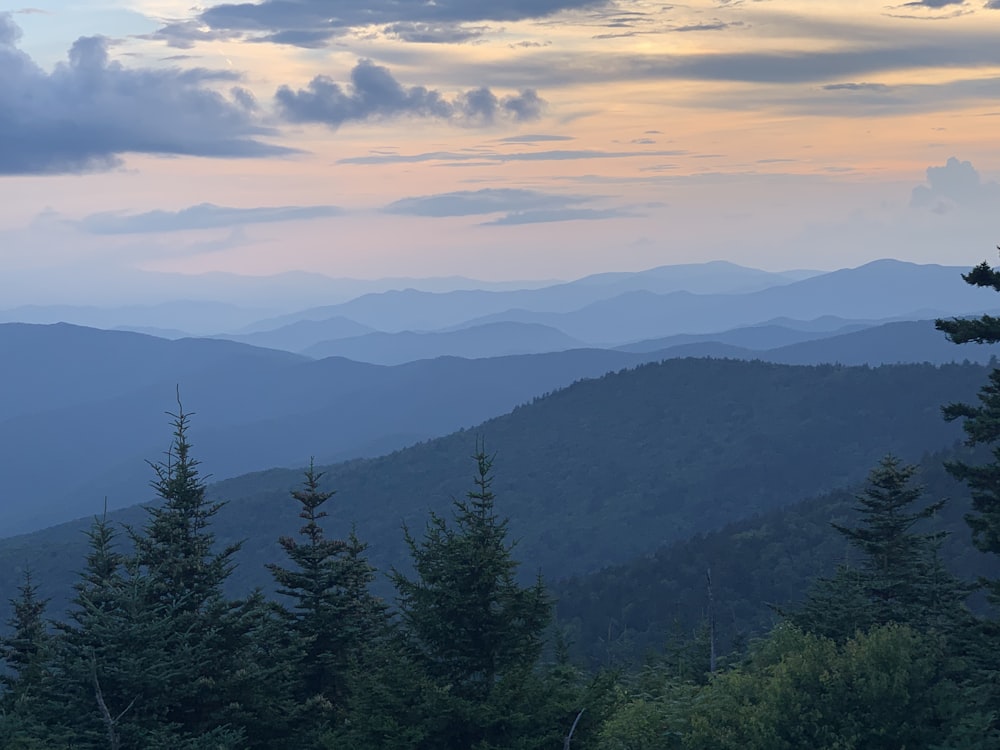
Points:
[(95, 399), (411, 309), (488, 340)]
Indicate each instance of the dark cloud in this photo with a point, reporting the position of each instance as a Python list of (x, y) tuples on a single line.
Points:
[(202, 216), (439, 21), (486, 201), (185, 34), (866, 59), (543, 216), (90, 110), (375, 94), (957, 183)]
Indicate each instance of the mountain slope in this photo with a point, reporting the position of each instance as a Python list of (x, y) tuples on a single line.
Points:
[(606, 469), (93, 402)]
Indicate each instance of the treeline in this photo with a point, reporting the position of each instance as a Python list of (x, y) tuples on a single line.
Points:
[(153, 655)]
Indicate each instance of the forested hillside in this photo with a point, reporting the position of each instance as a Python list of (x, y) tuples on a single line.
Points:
[(604, 470)]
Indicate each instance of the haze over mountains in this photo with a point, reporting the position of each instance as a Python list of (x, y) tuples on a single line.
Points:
[(390, 368), (597, 473)]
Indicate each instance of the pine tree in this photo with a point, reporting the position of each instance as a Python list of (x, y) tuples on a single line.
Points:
[(182, 575), (28, 652), (117, 652), (476, 633), (333, 614), (900, 578), (981, 425)]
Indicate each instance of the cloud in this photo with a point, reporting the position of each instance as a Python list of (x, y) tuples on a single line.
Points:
[(375, 94), (863, 58), (485, 201), (543, 216), (434, 22), (451, 156), (90, 110), (538, 138), (426, 33), (956, 184), (880, 87), (202, 216), (933, 3), (518, 206)]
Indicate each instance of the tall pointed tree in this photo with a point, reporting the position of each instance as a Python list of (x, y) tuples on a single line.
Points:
[(476, 632), (900, 578), (27, 651), (176, 551), (333, 612)]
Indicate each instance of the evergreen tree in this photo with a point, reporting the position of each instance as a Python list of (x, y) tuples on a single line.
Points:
[(28, 654), (183, 575), (476, 633), (334, 614), (981, 424), (117, 652), (900, 578)]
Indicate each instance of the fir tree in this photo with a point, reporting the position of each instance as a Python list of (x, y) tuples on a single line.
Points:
[(900, 578), (981, 424), (183, 578), (475, 631), (28, 654), (333, 614)]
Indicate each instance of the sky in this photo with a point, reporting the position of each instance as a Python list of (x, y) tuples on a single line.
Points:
[(509, 139)]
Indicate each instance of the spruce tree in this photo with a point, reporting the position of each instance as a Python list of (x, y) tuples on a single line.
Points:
[(900, 578), (27, 652), (476, 633), (981, 424), (117, 654), (333, 613), (183, 574)]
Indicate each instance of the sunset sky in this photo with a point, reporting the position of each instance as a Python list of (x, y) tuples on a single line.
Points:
[(508, 139)]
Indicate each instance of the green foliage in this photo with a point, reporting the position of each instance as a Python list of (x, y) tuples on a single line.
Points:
[(881, 689), (900, 578), (474, 631), (334, 619), (981, 424)]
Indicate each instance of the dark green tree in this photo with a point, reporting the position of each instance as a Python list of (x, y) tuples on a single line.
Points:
[(183, 573), (475, 631), (333, 613), (900, 578), (981, 423), (27, 651)]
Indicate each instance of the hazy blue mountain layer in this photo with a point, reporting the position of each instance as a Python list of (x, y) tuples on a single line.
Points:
[(591, 475), (488, 340), (95, 399)]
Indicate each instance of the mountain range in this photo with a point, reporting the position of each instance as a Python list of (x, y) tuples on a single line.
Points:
[(590, 475)]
